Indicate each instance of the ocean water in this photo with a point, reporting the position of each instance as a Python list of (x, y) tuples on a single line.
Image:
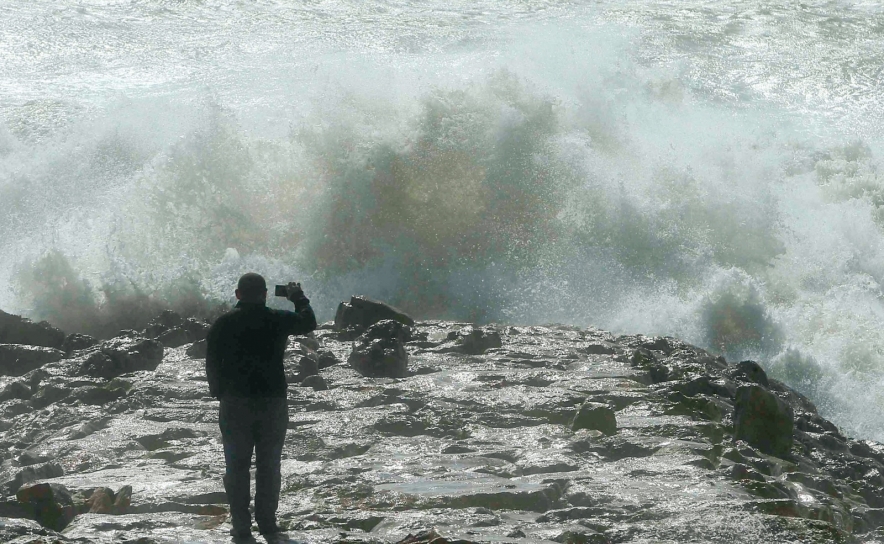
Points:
[(705, 170)]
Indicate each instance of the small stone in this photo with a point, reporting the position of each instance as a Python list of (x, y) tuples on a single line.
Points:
[(595, 416), (325, 359), (763, 420), (315, 381)]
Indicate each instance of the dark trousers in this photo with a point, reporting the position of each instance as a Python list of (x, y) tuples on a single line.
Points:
[(257, 424)]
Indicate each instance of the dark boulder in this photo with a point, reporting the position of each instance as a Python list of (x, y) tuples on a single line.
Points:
[(763, 420), (16, 360), (325, 359), (315, 381), (76, 342), (476, 340), (198, 350), (172, 330), (20, 330), (362, 312), (748, 372), (53, 505), (380, 351), (121, 355), (595, 416)]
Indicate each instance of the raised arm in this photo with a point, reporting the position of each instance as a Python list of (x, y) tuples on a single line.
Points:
[(213, 358), (302, 320)]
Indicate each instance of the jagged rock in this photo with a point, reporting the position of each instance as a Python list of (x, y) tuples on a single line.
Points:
[(325, 359), (16, 360), (315, 381), (76, 342), (308, 342), (763, 420), (431, 537), (19, 330), (749, 372), (198, 350), (123, 499), (172, 330), (309, 366), (49, 394), (53, 505), (380, 351), (173, 338), (33, 473), (595, 416), (101, 501), (362, 312), (121, 355), (27, 531), (476, 340), (15, 390)]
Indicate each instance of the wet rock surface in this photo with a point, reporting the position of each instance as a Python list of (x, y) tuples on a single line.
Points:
[(540, 435)]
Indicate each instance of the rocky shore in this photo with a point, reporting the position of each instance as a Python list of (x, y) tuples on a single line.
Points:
[(442, 432)]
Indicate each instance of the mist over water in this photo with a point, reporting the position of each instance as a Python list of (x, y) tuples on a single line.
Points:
[(687, 169)]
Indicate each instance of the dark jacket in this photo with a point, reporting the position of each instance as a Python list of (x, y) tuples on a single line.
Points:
[(246, 347)]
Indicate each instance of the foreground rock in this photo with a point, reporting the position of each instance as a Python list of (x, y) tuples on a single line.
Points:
[(380, 352), (540, 435), (17, 360), (19, 330)]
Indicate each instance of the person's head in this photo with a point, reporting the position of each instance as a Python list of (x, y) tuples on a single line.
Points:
[(251, 287)]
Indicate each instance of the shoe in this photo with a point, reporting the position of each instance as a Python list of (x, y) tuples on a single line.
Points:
[(242, 537), (277, 538)]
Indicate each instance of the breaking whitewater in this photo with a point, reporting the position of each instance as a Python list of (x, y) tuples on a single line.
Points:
[(701, 171)]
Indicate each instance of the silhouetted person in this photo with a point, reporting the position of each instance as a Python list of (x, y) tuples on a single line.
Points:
[(245, 371)]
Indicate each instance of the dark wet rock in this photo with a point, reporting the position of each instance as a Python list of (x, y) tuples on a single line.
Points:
[(198, 350), (749, 372), (15, 390), (49, 394), (16, 360), (316, 382), (20, 330), (52, 503), (432, 537), (763, 420), (121, 355), (172, 330), (308, 342), (326, 358), (477, 340), (380, 351), (595, 416), (76, 342), (362, 312)]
